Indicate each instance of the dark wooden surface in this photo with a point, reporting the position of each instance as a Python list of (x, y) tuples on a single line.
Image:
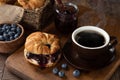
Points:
[(6, 75), (112, 27)]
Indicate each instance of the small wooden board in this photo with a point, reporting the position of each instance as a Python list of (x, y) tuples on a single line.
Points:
[(17, 64)]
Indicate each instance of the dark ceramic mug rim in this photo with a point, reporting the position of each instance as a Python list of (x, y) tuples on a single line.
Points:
[(91, 28)]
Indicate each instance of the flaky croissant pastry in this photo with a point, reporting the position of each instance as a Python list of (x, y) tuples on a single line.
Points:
[(2, 2), (42, 49), (31, 4)]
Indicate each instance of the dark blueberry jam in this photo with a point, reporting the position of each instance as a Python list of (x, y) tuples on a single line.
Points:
[(55, 56), (66, 19), (43, 59)]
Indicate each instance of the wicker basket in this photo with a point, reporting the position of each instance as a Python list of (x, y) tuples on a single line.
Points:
[(39, 18), (10, 1)]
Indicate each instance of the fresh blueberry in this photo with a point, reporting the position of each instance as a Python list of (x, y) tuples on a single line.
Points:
[(55, 70), (64, 66), (3, 28), (6, 37), (13, 29), (7, 27), (18, 32), (5, 33), (13, 25), (61, 73), (18, 29), (16, 35), (7, 30), (11, 33), (1, 38), (4, 25), (76, 73), (11, 38)]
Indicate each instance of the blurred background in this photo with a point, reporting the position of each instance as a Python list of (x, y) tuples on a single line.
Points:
[(110, 7)]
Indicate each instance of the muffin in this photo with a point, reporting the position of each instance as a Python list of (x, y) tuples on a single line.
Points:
[(42, 49)]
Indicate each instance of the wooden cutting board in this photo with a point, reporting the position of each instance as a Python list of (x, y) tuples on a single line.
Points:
[(17, 64)]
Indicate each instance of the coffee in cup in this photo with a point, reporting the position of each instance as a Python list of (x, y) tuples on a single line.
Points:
[(90, 48), (90, 39)]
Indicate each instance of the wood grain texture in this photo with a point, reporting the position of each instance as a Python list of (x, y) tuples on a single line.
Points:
[(30, 72), (2, 65), (116, 75), (7, 75)]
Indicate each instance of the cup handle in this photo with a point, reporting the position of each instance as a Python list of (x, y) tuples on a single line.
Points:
[(113, 42)]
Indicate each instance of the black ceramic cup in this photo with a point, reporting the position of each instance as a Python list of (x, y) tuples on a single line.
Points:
[(91, 48)]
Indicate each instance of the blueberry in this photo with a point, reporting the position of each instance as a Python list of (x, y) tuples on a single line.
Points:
[(13, 25), (11, 38), (4, 25), (55, 70), (13, 29), (76, 73), (3, 28), (6, 37), (16, 35), (7, 27), (19, 32), (11, 33), (1, 38), (18, 29), (5, 33), (61, 73), (7, 30), (64, 66)]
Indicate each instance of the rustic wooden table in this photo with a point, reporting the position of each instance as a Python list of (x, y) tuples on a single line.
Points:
[(113, 23)]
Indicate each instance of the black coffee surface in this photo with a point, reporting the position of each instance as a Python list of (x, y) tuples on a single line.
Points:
[(90, 39)]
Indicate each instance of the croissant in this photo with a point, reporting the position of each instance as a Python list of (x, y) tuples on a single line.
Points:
[(2, 2), (42, 49), (31, 4)]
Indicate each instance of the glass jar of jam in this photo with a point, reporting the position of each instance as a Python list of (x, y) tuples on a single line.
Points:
[(66, 17)]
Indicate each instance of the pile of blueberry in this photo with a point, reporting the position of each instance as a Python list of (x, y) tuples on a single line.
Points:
[(60, 73), (9, 32)]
